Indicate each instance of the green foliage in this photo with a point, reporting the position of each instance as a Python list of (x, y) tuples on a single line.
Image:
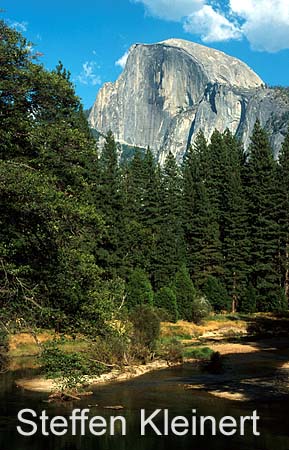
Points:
[(70, 370), (185, 293), (262, 219), (170, 245), (139, 289), (249, 301), (146, 326), (201, 308), (84, 239), (166, 299), (216, 294), (200, 224), (198, 353)]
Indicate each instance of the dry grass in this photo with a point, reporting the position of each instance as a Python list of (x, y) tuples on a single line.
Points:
[(191, 330), (24, 344)]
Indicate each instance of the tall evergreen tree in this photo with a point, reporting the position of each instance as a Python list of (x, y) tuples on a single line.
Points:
[(170, 240), (283, 212), (260, 188), (235, 245), (203, 247), (110, 201)]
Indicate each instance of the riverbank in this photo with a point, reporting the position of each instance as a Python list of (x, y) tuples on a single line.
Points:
[(252, 349), (41, 384)]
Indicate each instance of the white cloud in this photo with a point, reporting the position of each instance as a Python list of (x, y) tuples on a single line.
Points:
[(121, 62), (211, 26), (171, 9), (265, 23), (18, 26), (88, 75)]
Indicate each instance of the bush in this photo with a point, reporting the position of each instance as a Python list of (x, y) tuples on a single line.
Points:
[(217, 294), (70, 370), (146, 324), (198, 352), (166, 299), (172, 351), (201, 308), (139, 289)]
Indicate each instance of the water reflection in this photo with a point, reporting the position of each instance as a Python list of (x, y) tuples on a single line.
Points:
[(162, 389)]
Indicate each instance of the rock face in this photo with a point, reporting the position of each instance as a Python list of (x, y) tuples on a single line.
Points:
[(170, 90)]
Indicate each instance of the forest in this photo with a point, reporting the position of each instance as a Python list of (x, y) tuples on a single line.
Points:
[(90, 242)]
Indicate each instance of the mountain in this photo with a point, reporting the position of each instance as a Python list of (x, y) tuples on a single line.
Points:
[(170, 90)]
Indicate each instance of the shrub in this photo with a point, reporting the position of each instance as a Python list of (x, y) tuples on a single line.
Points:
[(70, 370), (172, 351), (198, 352), (201, 308), (166, 299), (146, 324)]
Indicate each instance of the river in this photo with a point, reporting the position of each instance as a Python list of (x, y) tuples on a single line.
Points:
[(162, 389)]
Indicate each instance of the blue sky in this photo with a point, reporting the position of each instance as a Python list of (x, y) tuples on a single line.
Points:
[(90, 37)]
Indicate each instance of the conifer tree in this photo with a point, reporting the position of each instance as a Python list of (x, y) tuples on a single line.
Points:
[(166, 299), (235, 245), (185, 293), (203, 246), (170, 240), (110, 201), (139, 289), (264, 243), (283, 213)]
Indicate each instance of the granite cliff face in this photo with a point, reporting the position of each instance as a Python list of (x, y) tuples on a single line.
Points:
[(170, 90)]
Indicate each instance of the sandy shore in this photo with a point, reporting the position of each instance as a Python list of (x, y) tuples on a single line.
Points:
[(41, 384)]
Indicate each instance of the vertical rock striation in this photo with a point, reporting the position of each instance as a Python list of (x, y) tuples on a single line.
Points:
[(170, 90)]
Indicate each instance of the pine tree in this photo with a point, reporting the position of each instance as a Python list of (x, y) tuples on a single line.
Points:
[(185, 293), (166, 299), (235, 245), (139, 289), (283, 212), (170, 247), (264, 243), (201, 229), (110, 201)]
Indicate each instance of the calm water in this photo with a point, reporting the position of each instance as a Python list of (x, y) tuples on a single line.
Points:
[(163, 389)]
